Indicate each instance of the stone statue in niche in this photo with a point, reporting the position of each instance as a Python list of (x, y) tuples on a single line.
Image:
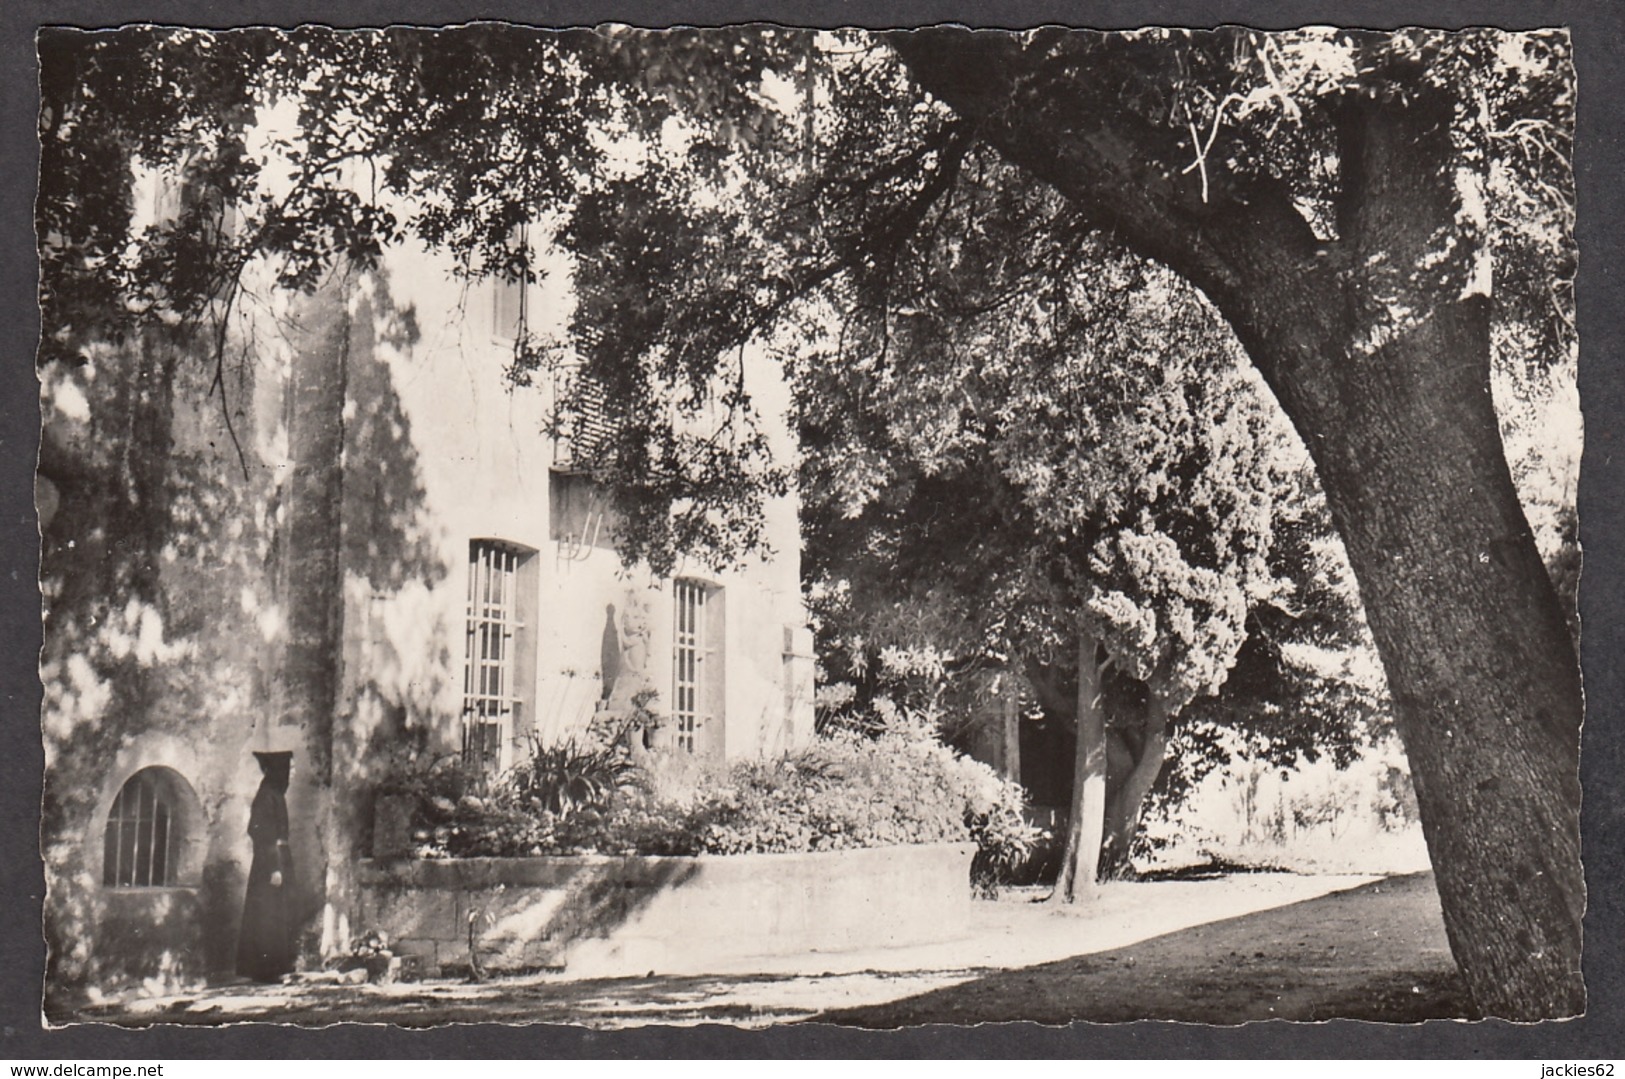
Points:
[(609, 658), (634, 639), (627, 699)]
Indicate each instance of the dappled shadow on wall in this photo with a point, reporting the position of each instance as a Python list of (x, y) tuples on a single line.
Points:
[(386, 538), (387, 541)]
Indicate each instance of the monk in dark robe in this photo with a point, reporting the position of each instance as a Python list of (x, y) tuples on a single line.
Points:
[(266, 942)]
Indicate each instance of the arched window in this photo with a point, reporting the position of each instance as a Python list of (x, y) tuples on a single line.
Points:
[(145, 837)]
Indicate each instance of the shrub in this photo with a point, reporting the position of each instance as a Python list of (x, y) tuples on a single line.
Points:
[(899, 786), (848, 790), (424, 777), (459, 810)]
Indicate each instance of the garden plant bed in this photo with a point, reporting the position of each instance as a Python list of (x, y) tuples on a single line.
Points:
[(630, 914)]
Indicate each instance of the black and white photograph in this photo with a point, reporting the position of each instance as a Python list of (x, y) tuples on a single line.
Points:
[(760, 525)]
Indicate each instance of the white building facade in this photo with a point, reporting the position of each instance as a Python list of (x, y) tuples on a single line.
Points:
[(345, 535)]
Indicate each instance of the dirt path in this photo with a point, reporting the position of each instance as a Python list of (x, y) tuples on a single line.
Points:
[(1377, 952), (1373, 952)]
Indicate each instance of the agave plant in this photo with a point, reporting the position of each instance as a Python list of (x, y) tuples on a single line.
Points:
[(563, 777)]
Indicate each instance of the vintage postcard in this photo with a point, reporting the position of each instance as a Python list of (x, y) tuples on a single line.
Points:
[(763, 525)]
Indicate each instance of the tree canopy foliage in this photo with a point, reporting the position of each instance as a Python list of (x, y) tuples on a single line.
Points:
[(711, 183), (985, 499)]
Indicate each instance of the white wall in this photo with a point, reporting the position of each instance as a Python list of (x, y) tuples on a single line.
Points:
[(484, 461)]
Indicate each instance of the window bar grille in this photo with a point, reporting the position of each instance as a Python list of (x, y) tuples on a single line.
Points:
[(161, 848), (139, 840), (143, 833), (488, 670), (687, 656)]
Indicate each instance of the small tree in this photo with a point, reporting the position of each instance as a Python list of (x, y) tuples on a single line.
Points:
[(1086, 499)]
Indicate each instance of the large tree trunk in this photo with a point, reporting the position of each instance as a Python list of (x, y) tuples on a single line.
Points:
[(1080, 857), (1010, 733), (1128, 730), (1480, 664), (1127, 791), (1382, 363), (1483, 675)]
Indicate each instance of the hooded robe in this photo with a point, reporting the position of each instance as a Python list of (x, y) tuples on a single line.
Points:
[(266, 945)]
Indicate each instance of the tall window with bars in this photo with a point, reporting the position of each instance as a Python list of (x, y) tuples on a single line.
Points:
[(139, 847), (497, 668), (510, 295), (690, 683)]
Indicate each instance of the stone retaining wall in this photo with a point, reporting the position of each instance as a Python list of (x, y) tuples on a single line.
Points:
[(608, 915)]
